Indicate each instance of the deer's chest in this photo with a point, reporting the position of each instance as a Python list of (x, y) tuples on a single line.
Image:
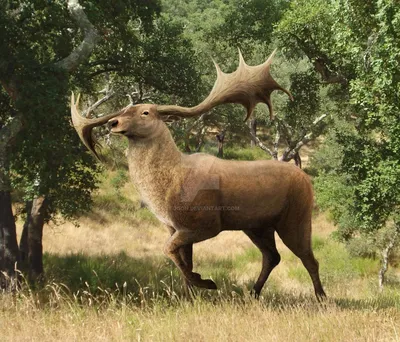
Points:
[(156, 196)]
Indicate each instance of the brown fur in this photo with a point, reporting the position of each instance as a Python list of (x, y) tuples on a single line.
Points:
[(198, 196)]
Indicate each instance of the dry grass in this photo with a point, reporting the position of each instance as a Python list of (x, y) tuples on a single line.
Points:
[(241, 319), (109, 248)]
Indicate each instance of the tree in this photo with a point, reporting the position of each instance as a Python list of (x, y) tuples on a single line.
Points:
[(75, 48), (300, 121), (35, 88), (217, 29), (249, 25), (356, 45)]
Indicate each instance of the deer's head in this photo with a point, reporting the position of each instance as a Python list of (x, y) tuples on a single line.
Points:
[(248, 85), (141, 121)]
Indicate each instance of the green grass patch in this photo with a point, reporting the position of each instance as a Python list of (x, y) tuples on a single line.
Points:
[(318, 243), (144, 214), (240, 153), (251, 254), (336, 264)]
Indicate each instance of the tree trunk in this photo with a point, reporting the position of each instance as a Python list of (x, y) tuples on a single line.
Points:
[(34, 223), (187, 145), (220, 138), (297, 159), (9, 256), (23, 242), (200, 138), (253, 131), (385, 258)]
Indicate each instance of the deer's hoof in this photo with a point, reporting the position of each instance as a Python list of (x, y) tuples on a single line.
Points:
[(196, 280), (209, 284), (206, 284)]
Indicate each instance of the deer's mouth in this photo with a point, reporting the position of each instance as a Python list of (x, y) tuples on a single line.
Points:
[(123, 132)]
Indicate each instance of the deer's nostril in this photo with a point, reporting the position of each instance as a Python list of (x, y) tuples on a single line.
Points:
[(113, 123)]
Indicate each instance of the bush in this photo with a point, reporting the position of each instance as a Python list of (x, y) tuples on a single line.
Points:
[(363, 247)]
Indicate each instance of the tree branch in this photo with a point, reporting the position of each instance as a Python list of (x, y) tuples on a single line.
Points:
[(98, 103), (9, 131), (261, 145), (305, 140), (321, 61), (201, 138), (102, 71), (91, 37), (188, 130), (276, 142), (10, 88)]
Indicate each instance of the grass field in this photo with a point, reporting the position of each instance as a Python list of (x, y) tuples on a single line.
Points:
[(108, 280)]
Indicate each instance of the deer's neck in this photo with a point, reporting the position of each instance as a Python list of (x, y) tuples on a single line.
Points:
[(154, 166)]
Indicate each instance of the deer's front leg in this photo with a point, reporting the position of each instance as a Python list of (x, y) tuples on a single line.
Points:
[(180, 241), (186, 253)]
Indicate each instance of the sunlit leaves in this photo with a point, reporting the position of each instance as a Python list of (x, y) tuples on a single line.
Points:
[(359, 40)]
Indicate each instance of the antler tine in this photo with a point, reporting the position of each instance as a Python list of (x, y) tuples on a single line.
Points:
[(217, 67), (84, 126), (248, 85), (271, 56), (242, 62)]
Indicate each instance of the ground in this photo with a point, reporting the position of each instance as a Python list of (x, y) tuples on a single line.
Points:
[(107, 280)]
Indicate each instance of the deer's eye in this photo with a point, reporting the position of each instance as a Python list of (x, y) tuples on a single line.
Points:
[(146, 112)]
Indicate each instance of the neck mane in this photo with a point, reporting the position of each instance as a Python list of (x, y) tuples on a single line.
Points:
[(158, 151), (154, 166)]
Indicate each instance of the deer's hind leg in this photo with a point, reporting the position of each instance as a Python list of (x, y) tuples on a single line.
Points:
[(297, 237), (264, 239)]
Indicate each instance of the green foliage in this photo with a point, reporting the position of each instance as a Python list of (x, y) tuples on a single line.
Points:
[(48, 158), (305, 89), (363, 246), (146, 66), (356, 44), (44, 158), (248, 22)]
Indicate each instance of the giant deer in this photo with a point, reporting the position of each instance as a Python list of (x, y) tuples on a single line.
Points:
[(197, 196)]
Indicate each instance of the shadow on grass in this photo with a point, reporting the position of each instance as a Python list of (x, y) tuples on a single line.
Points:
[(157, 280), (379, 302), (110, 272), (147, 276)]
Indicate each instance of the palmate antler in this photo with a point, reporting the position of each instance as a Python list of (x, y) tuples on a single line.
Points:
[(248, 85), (84, 126)]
